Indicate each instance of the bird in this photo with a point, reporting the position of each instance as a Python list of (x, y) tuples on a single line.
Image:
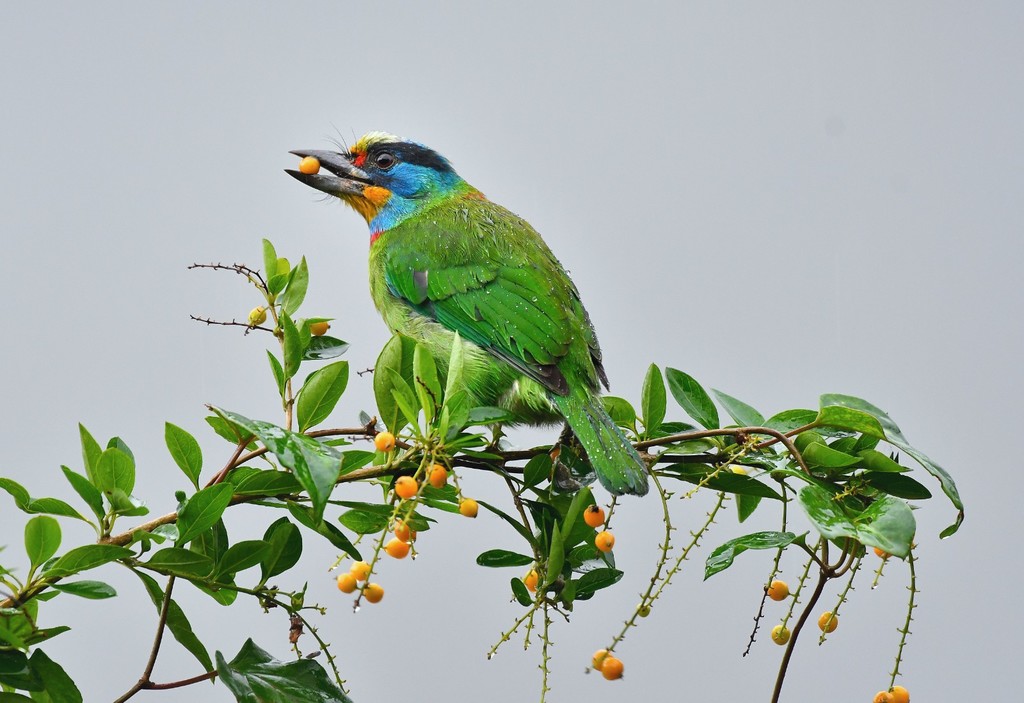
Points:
[(446, 263)]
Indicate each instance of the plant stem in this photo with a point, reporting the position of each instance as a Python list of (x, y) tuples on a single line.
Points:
[(144, 681)]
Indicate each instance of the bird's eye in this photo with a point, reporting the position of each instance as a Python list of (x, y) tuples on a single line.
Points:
[(384, 160)]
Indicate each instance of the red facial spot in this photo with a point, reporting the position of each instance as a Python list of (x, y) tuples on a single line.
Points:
[(375, 235), (359, 160)]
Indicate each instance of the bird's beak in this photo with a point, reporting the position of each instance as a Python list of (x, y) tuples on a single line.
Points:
[(347, 178)]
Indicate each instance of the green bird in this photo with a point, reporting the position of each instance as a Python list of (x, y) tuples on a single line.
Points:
[(444, 259)]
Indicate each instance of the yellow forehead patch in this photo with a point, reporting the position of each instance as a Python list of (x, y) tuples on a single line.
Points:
[(371, 138)]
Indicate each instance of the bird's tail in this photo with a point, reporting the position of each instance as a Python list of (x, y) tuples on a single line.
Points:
[(618, 465)]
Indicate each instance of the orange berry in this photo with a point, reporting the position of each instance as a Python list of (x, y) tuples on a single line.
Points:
[(319, 329), (361, 570), (900, 695), (397, 548), (531, 580), (780, 634), (612, 668), (779, 590), (593, 516), (881, 553), (373, 592), (883, 697), (406, 487), (438, 476), (828, 622), (403, 532), (598, 661), (309, 165), (384, 441), (604, 541), (468, 507), (346, 583)]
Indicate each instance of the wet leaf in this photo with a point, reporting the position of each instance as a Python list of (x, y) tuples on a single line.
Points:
[(692, 397)]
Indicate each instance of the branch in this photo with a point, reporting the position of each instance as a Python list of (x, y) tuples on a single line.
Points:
[(157, 640)]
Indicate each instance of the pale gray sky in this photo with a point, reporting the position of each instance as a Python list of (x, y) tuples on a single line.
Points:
[(782, 199)]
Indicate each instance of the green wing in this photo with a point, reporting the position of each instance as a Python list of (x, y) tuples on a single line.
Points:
[(490, 277)]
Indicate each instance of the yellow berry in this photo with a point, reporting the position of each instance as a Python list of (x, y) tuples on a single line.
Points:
[(883, 697), (406, 486), (531, 580), (604, 541), (643, 610), (612, 668), (778, 590), (257, 316), (780, 634), (598, 661), (438, 476), (881, 553), (468, 507), (346, 583), (397, 548), (361, 570), (828, 622), (738, 469), (593, 516), (403, 532), (319, 329), (900, 695), (373, 592), (384, 441), (309, 165)]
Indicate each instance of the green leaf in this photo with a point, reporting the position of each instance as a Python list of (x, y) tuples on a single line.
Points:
[(53, 506), (295, 292), (202, 510), (355, 459), (652, 401), (362, 522), (177, 622), (485, 415), (17, 491), (84, 488), (314, 464), (574, 529), (897, 485), (320, 393), (181, 562), (724, 480), (266, 483), (888, 523), (518, 526), (396, 355), (42, 539), (93, 590), (595, 580), (521, 593), (404, 397), (115, 470), (253, 676), (722, 557), (427, 384), (740, 412), (185, 451), (91, 451), (620, 410), (278, 371), (502, 557), (746, 505), (230, 432), (692, 398), (87, 557), (285, 549), (59, 686), (241, 556), (324, 347), (894, 436), (789, 420), (849, 419), (877, 461), (292, 346), (556, 556), (825, 456), (537, 469), (269, 259)]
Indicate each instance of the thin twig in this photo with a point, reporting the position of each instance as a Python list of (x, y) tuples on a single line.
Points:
[(157, 640)]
